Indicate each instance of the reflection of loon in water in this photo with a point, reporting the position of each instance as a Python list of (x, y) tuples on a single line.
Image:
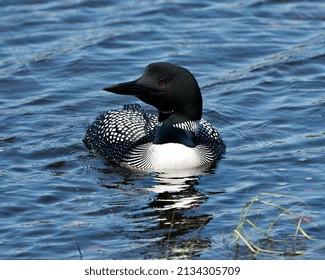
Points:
[(173, 218), (181, 214), (176, 190), (177, 139)]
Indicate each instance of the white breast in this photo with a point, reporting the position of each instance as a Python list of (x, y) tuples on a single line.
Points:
[(167, 157), (173, 156)]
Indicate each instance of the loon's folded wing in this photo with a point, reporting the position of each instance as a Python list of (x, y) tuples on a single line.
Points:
[(113, 134)]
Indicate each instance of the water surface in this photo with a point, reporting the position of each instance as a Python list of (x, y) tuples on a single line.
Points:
[(260, 65)]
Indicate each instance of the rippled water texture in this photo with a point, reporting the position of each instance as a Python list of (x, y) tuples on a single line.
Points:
[(261, 68)]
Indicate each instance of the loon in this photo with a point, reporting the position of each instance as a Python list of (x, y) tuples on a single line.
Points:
[(178, 138)]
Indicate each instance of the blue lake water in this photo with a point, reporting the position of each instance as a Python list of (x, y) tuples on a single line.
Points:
[(261, 68)]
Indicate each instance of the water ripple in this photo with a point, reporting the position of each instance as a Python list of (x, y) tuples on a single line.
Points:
[(260, 65)]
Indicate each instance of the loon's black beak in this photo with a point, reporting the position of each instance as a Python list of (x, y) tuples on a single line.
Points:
[(129, 88), (144, 90)]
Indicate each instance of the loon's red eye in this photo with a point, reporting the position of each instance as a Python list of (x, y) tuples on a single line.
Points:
[(162, 82)]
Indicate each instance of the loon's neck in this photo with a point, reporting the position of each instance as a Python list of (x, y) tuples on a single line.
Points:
[(171, 134), (177, 129)]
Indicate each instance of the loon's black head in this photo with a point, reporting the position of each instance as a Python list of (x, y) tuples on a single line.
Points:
[(173, 90)]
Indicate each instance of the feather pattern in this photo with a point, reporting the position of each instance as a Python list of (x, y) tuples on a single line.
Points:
[(125, 136)]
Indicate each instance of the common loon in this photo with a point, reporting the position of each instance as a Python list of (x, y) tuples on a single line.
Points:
[(178, 138)]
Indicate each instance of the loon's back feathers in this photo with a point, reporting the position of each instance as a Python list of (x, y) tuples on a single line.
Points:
[(178, 138)]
